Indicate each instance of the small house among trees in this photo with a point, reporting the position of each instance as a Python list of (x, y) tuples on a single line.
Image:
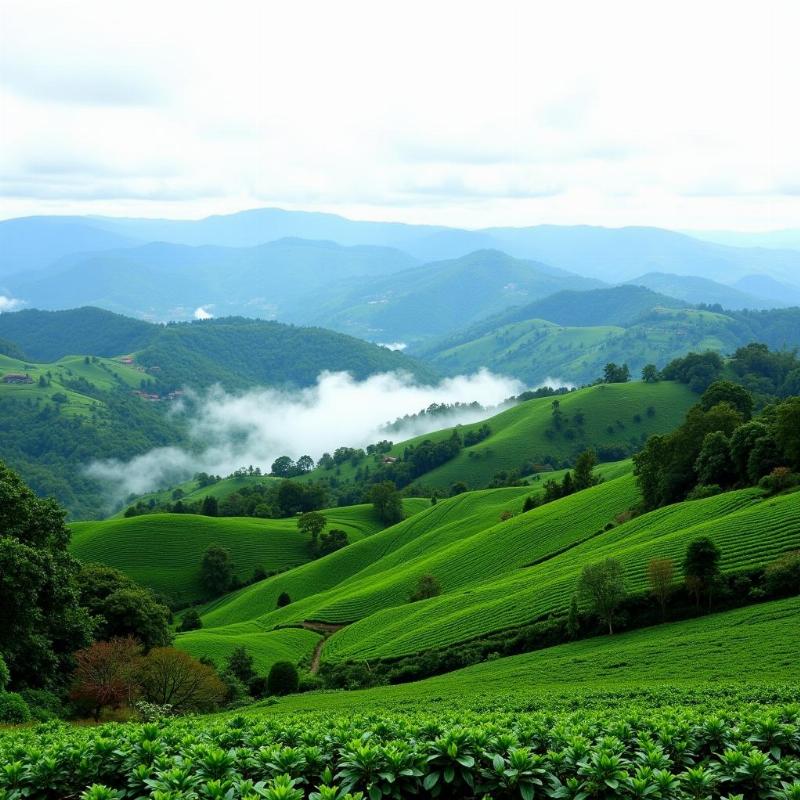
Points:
[(17, 377)]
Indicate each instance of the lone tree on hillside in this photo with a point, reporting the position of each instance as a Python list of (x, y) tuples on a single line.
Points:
[(427, 586), (701, 568), (660, 573), (583, 475), (332, 540), (613, 373), (650, 373), (191, 621), (387, 502), (283, 600), (210, 507), (312, 524), (216, 570), (240, 663), (602, 586)]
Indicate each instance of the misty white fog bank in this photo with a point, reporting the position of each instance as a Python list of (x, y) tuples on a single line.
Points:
[(228, 431)]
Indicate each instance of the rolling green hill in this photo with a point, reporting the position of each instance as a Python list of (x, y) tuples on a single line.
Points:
[(235, 352), (571, 336), (681, 655), (75, 410), (498, 574), (82, 381), (614, 419), (266, 647), (164, 551)]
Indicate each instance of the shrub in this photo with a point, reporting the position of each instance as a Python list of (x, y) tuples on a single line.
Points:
[(283, 600), (257, 686), (13, 708), (4, 674), (780, 479), (310, 683), (191, 621), (240, 663), (704, 490), (283, 678), (44, 705), (427, 586), (782, 576)]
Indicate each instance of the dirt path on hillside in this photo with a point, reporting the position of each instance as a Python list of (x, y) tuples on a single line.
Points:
[(326, 629)]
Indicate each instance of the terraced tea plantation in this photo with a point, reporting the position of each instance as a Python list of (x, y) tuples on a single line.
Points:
[(164, 551)]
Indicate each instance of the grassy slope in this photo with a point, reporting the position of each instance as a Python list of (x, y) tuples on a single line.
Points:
[(431, 530), (104, 373), (749, 532), (266, 647), (758, 644), (164, 551), (520, 434), (533, 349), (482, 564)]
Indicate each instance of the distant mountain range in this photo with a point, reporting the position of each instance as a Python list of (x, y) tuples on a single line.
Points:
[(382, 281), (163, 281), (436, 298)]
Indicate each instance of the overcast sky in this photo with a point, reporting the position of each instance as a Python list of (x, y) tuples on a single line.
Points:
[(681, 114)]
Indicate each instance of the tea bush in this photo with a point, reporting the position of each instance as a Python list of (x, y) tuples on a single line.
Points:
[(703, 744)]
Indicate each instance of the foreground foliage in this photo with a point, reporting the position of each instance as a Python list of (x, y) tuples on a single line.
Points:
[(697, 744)]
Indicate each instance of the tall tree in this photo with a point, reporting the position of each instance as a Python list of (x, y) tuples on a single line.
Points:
[(650, 373), (660, 574), (583, 475), (701, 568), (123, 608), (602, 586), (312, 523), (210, 507), (731, 393), (41, 620), (387, 502), (171, 677), (216, 570)]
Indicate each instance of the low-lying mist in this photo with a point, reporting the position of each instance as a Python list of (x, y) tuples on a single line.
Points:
[(228, 431)]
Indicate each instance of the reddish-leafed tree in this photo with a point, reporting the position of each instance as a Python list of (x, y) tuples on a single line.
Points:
[(105, 674)]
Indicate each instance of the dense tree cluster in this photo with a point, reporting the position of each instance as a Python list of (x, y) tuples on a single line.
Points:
[(42, 620), (719, 447)]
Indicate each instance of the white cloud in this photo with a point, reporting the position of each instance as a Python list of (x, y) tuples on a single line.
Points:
[(459, 113), (10, 303), (202, 313), (229, 431)]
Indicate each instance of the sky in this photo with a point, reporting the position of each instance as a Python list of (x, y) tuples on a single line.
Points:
[(678, 114)]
